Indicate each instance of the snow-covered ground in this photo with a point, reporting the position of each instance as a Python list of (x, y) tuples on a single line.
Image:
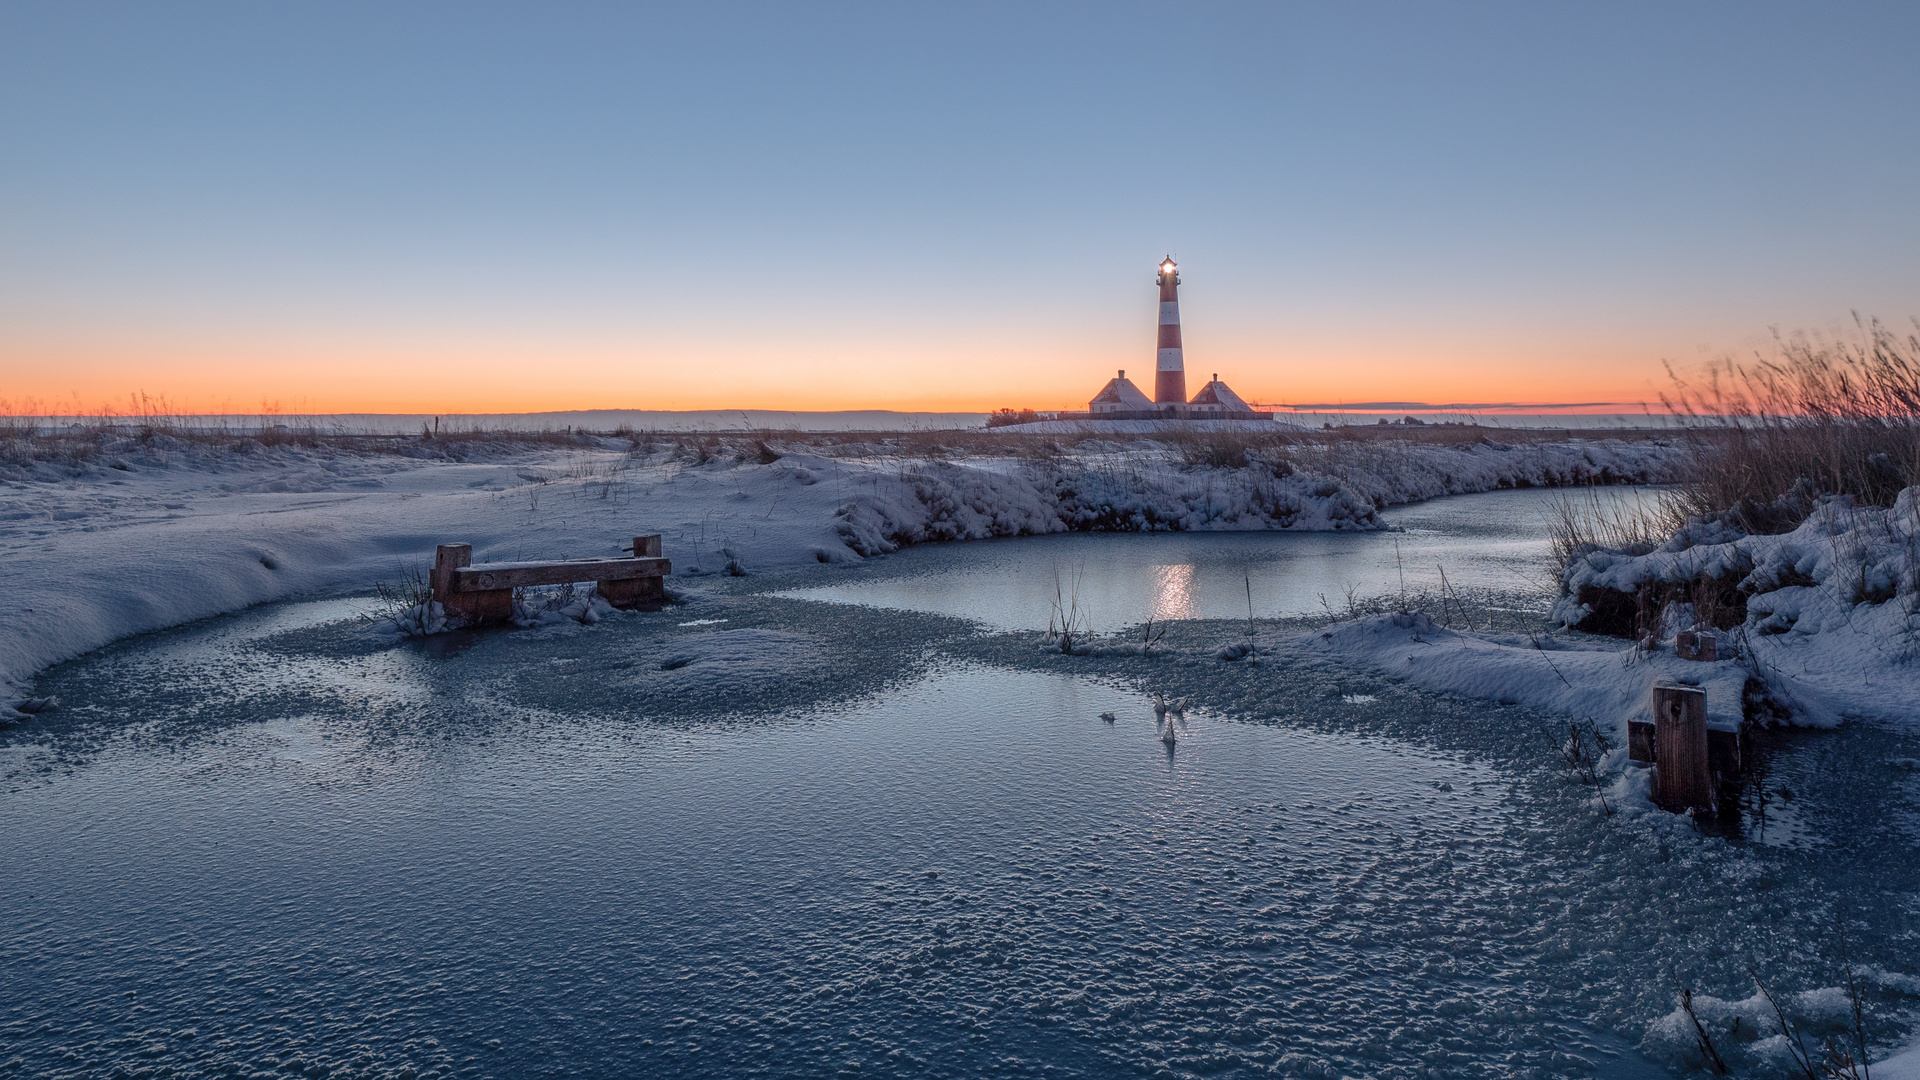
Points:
[(1832, 608), (143, 534), (1830, 625)]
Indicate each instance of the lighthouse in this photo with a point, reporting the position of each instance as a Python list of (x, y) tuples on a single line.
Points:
[(1121, 400), (1170, 372)]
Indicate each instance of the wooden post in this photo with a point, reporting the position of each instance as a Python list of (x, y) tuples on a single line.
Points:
[(1723, 754), (1692, 645), (647, 593), (1682, 778), (1640, 746), (446, 559), (473, 608)]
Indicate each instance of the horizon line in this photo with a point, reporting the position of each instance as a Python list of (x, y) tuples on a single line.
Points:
[(1315, 407)]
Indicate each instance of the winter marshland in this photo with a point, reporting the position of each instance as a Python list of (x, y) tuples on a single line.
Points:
[(1205, 753)]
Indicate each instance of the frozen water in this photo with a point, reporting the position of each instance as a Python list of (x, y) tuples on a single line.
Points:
[(969, 876), (1493, 547)]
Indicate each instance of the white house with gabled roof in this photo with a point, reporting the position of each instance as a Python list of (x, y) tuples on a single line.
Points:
[(1120, 396)]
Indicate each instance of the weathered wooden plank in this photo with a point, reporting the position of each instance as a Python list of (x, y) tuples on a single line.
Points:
[(1683, 780), (645, 592), (516, 575), (480, 607)]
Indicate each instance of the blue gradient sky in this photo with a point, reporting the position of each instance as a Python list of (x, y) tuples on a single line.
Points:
[(458, 207)]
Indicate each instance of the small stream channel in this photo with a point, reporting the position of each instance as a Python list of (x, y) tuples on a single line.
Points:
[(863, 828), (1491, 548)]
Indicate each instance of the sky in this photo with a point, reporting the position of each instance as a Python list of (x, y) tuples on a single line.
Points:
[(341, 207)]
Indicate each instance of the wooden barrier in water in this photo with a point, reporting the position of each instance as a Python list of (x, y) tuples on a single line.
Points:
[(1723, 748), (483, 593), (1682, 773)]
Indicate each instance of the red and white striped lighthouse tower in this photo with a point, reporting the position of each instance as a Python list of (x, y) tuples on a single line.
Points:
[(1170, 373)]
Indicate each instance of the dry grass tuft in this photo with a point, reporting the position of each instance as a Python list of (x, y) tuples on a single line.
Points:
[(1582, 521)]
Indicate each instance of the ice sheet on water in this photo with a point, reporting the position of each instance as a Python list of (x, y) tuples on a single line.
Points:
[(1230, 908)]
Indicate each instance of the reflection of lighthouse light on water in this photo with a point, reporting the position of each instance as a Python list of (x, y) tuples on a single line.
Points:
[(1173, 592)]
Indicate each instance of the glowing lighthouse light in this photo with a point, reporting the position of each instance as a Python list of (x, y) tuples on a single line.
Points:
[(1170, 372)]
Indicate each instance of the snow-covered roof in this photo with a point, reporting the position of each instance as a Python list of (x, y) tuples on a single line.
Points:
[(1121, 391), (1217, 393)]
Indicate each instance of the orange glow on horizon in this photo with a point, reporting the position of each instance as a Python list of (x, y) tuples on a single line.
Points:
[(309, 380)]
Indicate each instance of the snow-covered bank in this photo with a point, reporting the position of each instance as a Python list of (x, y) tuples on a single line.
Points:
[(1589, 680), (151, 533), (1828, 613), (1140, 487), (1813, 626)]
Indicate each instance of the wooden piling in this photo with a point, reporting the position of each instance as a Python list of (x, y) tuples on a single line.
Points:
[(495, 605), (647, 593), (1723, 755), (1683, 777), (1640, 742), (446, 559)]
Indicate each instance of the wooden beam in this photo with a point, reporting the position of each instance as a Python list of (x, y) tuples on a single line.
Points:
[(516, 575), (647, 593)]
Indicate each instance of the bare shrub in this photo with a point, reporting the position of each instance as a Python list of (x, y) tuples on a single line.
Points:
[(1585, 754), (1069, 623), (392, 599)]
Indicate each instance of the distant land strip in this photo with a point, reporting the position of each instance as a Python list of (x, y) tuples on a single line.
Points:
[(1460, 406)]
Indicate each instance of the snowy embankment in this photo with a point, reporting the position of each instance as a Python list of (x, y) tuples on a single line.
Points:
[(1588, 680), (1814, 626), (1140, 488), (147, 534), (1827, 614)]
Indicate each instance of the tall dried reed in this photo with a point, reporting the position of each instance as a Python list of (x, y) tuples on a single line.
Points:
[(1815, 418)]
